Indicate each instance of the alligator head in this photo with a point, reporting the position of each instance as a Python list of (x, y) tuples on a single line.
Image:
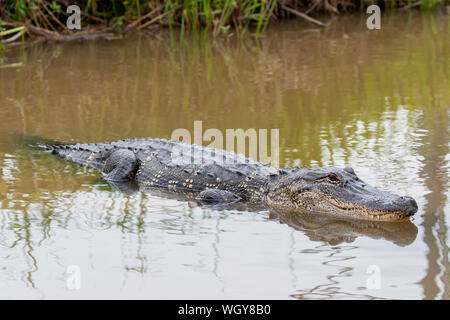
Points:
[(339, 192)]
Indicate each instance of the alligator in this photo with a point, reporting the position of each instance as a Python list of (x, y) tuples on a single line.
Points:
[(213, 176)]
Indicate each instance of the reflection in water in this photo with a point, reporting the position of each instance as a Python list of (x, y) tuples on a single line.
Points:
[(331, 289), (384, 111), (435, 173), (336, 231)]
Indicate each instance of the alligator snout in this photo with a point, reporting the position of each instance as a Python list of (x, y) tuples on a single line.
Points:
[(408, 204), (390, 204)]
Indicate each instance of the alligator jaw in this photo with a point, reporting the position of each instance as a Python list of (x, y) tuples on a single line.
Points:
[(331, 208), (393, 211), (397, 209)]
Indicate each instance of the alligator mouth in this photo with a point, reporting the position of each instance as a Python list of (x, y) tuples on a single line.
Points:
[(390, 214), (363, 213), (391, 208)]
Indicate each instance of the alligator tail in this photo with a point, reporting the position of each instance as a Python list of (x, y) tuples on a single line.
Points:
[(87, 155)]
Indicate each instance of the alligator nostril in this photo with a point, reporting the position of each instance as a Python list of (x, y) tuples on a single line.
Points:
[(410, 204)]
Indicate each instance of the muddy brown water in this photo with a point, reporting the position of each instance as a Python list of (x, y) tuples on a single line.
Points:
[(377, 101)]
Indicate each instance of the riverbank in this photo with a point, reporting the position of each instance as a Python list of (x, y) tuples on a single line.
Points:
[(22, 20)]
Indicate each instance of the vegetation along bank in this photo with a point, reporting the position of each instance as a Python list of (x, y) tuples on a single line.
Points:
[(47, 19)]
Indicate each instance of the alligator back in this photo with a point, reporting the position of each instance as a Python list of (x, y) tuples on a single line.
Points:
[(177, 166)]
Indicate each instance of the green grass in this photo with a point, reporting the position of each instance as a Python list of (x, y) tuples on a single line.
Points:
[(204, 16)]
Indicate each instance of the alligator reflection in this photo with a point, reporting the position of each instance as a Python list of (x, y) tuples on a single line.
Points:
[(335, 230), (317, 227)]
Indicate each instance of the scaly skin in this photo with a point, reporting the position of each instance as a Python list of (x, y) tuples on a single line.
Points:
[(217, 176)]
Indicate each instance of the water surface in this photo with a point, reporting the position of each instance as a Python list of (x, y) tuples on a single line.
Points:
[(378, 101)]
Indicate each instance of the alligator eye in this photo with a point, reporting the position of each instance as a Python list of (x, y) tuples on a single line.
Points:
[(333, 178)]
